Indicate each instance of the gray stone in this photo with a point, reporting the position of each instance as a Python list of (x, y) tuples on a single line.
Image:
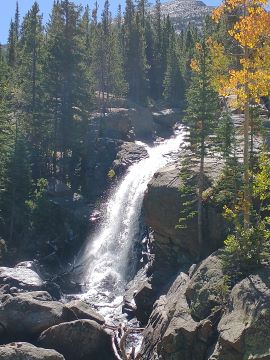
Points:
[(78, 340), (244, 331), (25, 351), (21, 277), (78, 309), (171, 332), (25, 315), (203, 290), (128, 154), (144, 299)]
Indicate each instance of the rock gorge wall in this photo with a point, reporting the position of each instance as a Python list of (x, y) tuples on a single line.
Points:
[(196, 320), (200, 316), (174, 247)]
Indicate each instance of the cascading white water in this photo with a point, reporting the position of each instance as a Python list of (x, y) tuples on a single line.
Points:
[(108, 253)]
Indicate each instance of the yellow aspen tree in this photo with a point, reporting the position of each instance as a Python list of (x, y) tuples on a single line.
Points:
[(249, 80)]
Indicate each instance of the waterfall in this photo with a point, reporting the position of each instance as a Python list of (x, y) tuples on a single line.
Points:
[(109, 251)]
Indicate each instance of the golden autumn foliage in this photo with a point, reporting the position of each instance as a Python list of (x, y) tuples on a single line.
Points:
[(251, 78)]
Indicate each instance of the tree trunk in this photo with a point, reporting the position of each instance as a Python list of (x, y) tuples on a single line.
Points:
[(246, 168), (247, 199)]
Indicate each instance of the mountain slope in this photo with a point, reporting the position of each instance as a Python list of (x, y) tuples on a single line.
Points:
[(183, 12)]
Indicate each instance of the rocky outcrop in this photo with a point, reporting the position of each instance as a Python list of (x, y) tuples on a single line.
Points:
[(128, 154), (183, 12), (171, 246), (202, 319), (106, 154), (202, 292), (165, 119), (171, 332), (126, 123), (25, 351), (78, 340), (244, 330)]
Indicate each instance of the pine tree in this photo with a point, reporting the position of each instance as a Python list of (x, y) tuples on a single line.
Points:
[(157, 87), (201, 112), (173, 82), (17, 22), (11, 49), (134, 54), (29, 80)]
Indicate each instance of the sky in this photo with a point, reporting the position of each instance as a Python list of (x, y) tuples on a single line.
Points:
[(7, 10)]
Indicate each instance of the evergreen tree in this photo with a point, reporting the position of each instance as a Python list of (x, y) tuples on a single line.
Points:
[(17, 22), (173, 82), (29, 80), (134, 54), (11, 48), (201, 112)]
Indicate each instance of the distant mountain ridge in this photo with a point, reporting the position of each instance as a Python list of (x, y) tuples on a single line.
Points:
[(183, 12)]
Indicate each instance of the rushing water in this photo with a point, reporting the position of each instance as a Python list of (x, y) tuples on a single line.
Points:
[(110, 250)]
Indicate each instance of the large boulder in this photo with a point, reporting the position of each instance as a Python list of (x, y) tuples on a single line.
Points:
[(79, 309), (78, 340), (22, 277), (116, 124), (171, 332), (25, 351), (127, 123), (165, 119), (244, 330), (26, 315)]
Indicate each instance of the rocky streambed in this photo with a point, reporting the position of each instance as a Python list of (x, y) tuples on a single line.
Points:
[(32, 321)]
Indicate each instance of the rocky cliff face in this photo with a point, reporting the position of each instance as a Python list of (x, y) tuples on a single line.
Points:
[(197, 320), (173, 247), (183, 12)]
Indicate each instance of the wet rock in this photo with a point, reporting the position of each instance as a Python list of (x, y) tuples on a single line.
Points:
[(26, 315), (171, 332), (203, 289), (25, 351), (132, 288), (128, 154), (78, 309), (244, 330), (144, 299), (78, 340)]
